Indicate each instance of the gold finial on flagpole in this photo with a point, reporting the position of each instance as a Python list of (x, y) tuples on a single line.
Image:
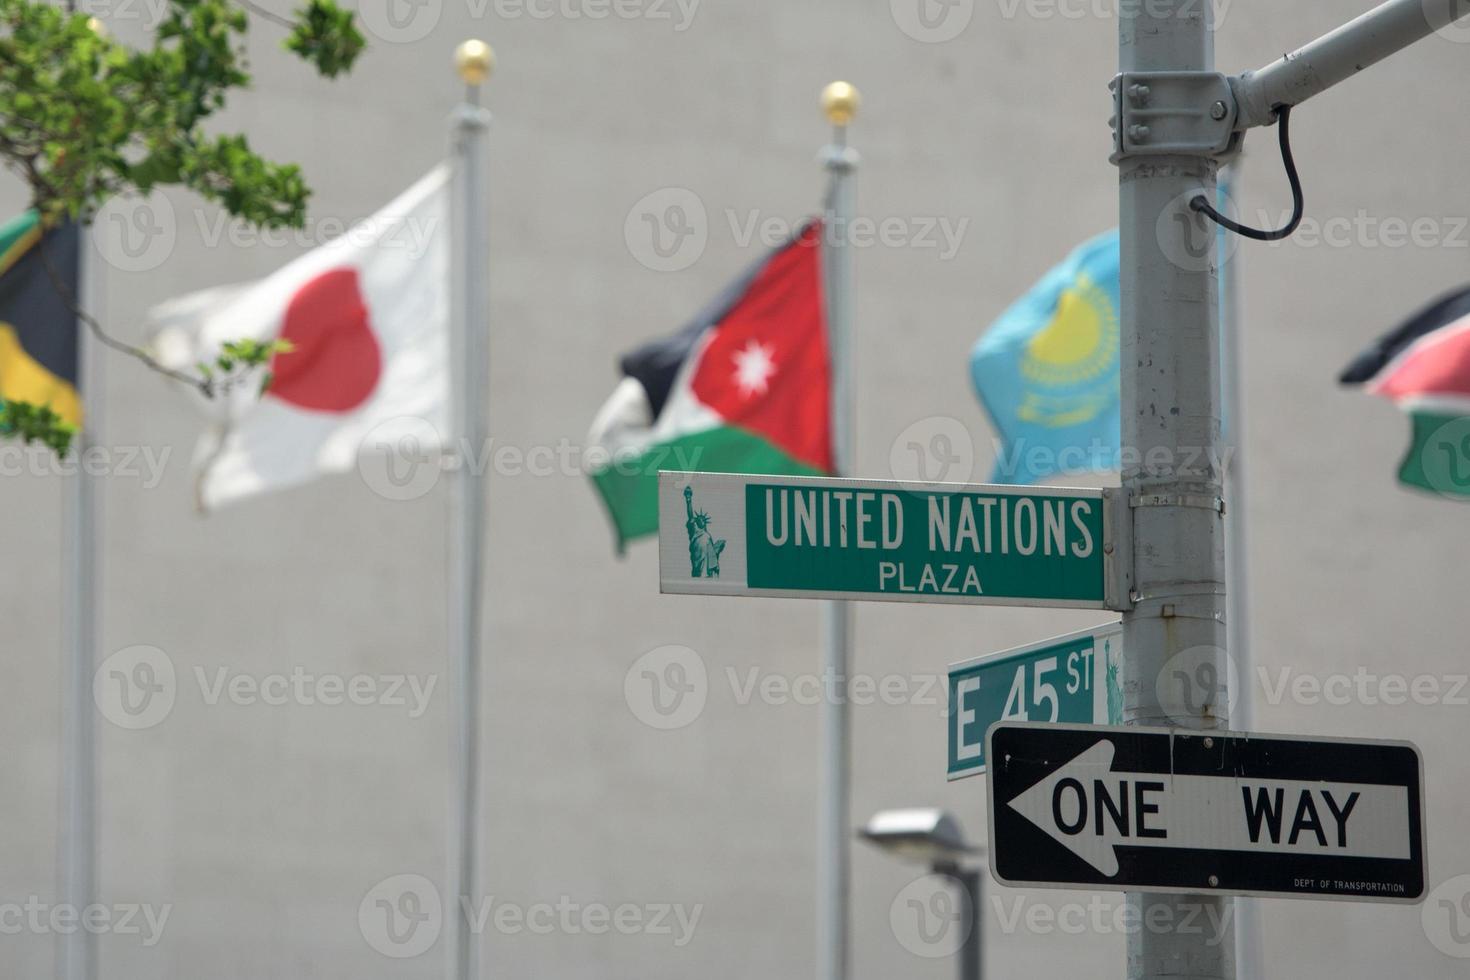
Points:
[(840, 102), (474, 60)]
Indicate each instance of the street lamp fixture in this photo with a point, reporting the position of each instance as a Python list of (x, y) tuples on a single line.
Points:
[(933, 837)]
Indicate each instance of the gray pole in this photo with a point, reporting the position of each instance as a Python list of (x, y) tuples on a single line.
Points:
[(1340, 54), (1171, 375), (839, 102), (470, 321), (1237, 567), (1249, 964), (1167, 155), (1171, 428), (76, 954), (971, 954)]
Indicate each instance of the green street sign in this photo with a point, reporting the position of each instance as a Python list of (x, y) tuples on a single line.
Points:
[(828, 538), (1071, 679)]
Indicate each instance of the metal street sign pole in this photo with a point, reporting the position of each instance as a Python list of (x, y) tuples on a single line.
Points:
[(1170, 399), (839, 102), (1174, 120), (1339, 55), (470, 305)]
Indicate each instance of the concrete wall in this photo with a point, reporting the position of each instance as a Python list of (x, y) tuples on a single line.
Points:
[(264, 827)]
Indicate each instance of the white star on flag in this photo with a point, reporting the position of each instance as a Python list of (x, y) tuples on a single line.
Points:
[(753, 368)]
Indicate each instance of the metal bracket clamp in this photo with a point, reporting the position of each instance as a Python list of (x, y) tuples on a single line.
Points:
[(1186, 113), (1117, 549), (1199, 500)]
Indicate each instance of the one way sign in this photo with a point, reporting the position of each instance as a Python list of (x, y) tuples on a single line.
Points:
[(1166, 810)]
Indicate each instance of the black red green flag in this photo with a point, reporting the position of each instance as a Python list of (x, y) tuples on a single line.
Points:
[(1423, 366), (744, 387), (38, 332)]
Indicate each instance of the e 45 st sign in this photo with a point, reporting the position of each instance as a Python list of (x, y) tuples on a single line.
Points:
[(1074, 678)]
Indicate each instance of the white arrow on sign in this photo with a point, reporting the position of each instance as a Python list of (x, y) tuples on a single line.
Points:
[(1091, 810)]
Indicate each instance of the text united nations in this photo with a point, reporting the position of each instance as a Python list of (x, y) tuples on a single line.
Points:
[(954, 524)]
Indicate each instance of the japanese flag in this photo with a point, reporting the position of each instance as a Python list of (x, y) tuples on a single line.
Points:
[(367, 316)]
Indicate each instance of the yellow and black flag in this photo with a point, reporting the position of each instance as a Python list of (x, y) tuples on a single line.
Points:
[(38, 331)]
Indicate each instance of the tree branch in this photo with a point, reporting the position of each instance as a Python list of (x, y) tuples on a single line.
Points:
[(260, 11), (205, 387)]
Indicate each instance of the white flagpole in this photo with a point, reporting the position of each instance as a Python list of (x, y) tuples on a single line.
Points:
[(76, 953), (839, 103), (469, 301), (1249, 964)]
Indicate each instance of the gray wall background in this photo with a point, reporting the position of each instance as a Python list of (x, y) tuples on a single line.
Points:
[(264, 827)]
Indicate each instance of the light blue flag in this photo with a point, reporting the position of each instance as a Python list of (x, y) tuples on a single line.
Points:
[(1047, 370)]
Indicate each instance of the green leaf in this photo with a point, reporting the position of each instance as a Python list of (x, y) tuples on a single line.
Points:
[(36, 423), (85, 117), (326, 36)]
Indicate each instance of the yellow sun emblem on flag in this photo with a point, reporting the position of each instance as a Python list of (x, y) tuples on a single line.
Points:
[(1080, 343)]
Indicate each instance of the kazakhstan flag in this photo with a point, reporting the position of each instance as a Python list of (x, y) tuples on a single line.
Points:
[(1047, 370)]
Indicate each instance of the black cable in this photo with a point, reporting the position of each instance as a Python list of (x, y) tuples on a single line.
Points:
[(1298, 203)]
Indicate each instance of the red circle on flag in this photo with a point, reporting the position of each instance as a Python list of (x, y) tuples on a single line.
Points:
[(335, 361)]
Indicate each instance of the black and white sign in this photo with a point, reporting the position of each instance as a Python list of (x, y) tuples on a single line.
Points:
[(1152, 809)]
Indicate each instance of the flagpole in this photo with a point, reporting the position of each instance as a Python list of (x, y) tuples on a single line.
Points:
[(76, 953), (469, 302), (1249, 962), (839, 103)]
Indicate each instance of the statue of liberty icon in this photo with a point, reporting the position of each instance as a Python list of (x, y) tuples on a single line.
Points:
[(1114, 684), (704, 548)]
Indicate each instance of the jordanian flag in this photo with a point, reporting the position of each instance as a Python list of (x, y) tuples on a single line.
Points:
[(38, 333), (744, 388), (1424, 367)]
